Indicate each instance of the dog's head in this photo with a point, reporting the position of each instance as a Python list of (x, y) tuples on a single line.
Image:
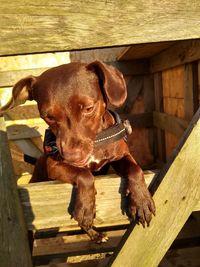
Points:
[(72, 99)]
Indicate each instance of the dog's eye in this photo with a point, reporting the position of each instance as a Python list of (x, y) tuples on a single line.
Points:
[(88, 109), (50, 118)]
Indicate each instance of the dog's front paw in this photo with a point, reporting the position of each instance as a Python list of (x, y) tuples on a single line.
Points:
[(141, 204), (84, 215)]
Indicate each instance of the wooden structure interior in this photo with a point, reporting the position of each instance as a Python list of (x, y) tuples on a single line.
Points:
[(162, 73)]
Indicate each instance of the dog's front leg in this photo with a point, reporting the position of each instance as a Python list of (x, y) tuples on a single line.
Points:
[(141, 203), (84, 210)]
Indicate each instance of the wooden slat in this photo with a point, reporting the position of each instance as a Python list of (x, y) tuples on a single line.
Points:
[(132, 67), (139, 120), (135, 67), (158, 87), (87, 263), (67, 25), (33, 61), (178, 54), (170, 123), (9, 78), (14, 249), (37, 198), (191, 102), (175, 199), (143, 50), (65, 246)]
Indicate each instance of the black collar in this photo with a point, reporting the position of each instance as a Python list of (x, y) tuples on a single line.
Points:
[(114, 133), (118, 131)]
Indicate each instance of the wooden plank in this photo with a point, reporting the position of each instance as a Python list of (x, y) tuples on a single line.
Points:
[(199, 81), (85, 263), (143, 50), (173, 82), (139, 120), (174, 205), (65, 246), (178, 54), (134, 89), (41, 196), (33, 61), (191, 102), (69, 25), (132, 67), (136, 67), (9, 78), (158, 87), (170, 123), (13, 236), (24, 132)]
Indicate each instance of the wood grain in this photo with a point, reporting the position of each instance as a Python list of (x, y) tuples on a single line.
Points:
[(176, 196), (160, 144), (178, 54), (13, 236), (170, 123), (143, 50), (191, 102), (54, 199), (41, 26)]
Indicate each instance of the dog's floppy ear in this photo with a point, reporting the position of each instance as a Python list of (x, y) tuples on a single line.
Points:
[(113, 83), (20, 93)]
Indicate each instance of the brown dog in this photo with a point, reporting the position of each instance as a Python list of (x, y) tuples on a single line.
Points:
[(73, 99)]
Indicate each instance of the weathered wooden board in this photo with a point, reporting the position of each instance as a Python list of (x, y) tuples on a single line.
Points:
[(173, 83), (42, 26), (78, 244), (178, 54), (33, 61), (9, 78), (191, 102), (143, 50), (160, 145), (14, 249), (46, 204), (170, 123), (175, 199)]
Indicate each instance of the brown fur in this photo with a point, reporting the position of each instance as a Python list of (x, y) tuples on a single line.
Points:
[(73, 100)]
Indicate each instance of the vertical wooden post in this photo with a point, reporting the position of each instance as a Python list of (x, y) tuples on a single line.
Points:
[(191, 101), (149, 106), (14, 248), (159, 107)]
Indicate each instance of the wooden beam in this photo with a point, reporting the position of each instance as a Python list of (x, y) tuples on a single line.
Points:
[(139, 120), (9, 78), (191, 102), (13, 236), (158, 89), (170, 123), (143, 50), (55, 26), (134, 67), (178, 54), (64, 246), (175, 199), (38, 197)]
